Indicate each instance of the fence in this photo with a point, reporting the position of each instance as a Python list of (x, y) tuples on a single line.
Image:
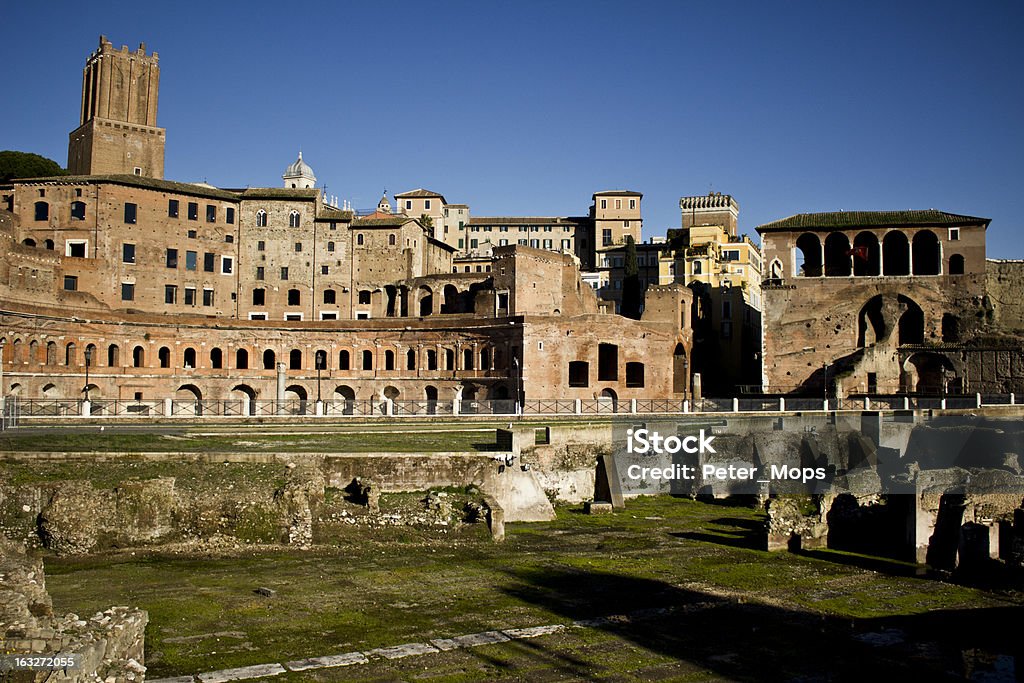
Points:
[(16, 408)]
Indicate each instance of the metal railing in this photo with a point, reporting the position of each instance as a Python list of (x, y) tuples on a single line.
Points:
[(16, 407)]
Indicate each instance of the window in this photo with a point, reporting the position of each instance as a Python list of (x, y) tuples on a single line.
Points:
[(330, 246), (606, 237), (241, 359), (42, 211), (328, 316), (192, 234), (579, 373), (130, 213), (230, 239), (956, 264), (170, 294), (71, 283), (391, 240), (632, 203), (229, 215), (260, 272), (343, 360), (209, 262), (298, 247), (696, 267), (138, 170), (359, 239), (190, 296), (954, 234), (257, 316), (325, 270), (172, 258), (364, 296), (227, 265), (259, 297), (191, 260), (634, 374), (207, 297), (128, 253), (618, 203), (172, 208), (293, 219), (294, 297), (284, 272), (329, 296), (261, 219), (261, 246), (127, 291), (76, 248), (408, 205), (78, 211), (426, 204), (726, 330), (604, 203), (607, 362), (211, 213), (193, 211)]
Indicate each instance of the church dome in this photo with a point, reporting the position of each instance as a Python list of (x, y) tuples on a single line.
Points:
[(299, 171)]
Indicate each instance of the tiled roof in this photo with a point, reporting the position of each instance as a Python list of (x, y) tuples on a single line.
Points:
[(868, 219), (521, 220), (391, 222), (280, 193), (419, 192), (331, 214), (134, 181), (618, 193)]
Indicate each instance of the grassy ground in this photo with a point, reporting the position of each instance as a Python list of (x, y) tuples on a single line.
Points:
[(733, 612)]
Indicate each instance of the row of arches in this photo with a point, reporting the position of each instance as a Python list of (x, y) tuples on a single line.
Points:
[(484, 357), (866, 256), (400, 301)]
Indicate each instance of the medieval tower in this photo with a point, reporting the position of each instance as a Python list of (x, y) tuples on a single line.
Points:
[(117, 132)]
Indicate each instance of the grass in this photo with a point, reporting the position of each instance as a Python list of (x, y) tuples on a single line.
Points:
[(396, 585)]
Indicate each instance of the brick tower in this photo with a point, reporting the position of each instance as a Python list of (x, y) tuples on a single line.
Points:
[(117, 132)]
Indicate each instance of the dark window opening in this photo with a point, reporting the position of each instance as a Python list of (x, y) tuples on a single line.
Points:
[(193, 211), (269, 359), (294, 297), (131, 212), (259, 297), (242, 359), (295, 360), (330, 296), (367, 360), (607, 363), (42, 211), (579, 373), (956, 264), (172, 208), (78, 211), (634, 374), (344, 360)]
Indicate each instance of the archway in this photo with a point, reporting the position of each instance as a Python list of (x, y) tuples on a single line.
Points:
[(296, 396), (911, 324), (871, 323), (895, 254), (837, 255), (347, 395), (426, 298), (608, 400), (928, 373), (188, 400), (808, 258), (451, 299), (956, 264), (866, 256), (680, 374), (927, 253), (247, 396), (269, 359), (391, 393)]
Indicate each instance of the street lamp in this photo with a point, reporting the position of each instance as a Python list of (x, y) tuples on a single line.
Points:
[(519, 384), (319, 367), (824, 367), (88, 360)]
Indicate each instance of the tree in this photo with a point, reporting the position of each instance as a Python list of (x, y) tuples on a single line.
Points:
[(27, 165), (428, 223), (632, 292)]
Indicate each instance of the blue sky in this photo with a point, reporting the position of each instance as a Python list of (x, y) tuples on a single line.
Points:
[(527, 108)]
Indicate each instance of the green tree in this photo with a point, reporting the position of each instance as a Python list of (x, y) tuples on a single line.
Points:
[(428, 223), (632, 292), (27, 165)]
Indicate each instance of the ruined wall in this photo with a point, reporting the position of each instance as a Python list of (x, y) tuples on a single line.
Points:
[(1004, 283)]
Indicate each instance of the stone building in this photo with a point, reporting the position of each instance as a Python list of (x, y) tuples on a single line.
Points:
[(119, 284), (882, 302)]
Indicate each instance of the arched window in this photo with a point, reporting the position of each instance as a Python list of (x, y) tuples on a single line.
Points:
[(367, 360), (320, 360), (295, 360), (808, 260), (294, 297), (330, 246), (138, 357), (189, 358), (113, 356), (485, 359), (269, 359), (241, 359), (911, 324), (293, 219), (42, 211), (261, 219), (216, 359), (837, 255), (33, 352), (389, 360), (165, 357), (28, 242), (70, 354), (410, 359), (51, 353), (78, 211), (927, 259), (359, 239), (449, 359), (391, 240), (696, 267), (48, 244), (895, 254), (344, 360), (956, 264), (866, 257), (431, 359), (330, 296), (364, 296)]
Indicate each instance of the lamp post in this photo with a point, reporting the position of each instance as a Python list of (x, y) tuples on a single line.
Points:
[(519, 384), (824, 367), (319, 368), (3, 394), (88, 360), (686, 378)]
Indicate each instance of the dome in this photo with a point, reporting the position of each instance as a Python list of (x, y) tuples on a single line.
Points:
[(299, 170)]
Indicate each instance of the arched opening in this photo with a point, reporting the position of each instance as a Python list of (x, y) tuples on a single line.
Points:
[(391, 393), (189, 358), (430, 394), (48, 244), (320, 360), (242, 359), (295, 395), (498, 393), (246, 395), (91, 358), (467, 359), (426, 297), (449, 359), (113, 356), (927, 253), (499, 359), (51, 353), (28, 242), (610, 399), (895, 254), (294, 297), (866, 256), (911, 324), (367, 359), (808, 257), (950, 328), (42, 211), (188, 400), (410, 359), (269, 359), (16, 352), (389, 359), (138, 357), (344, 360), (451, 299), (431, 359), (164, 354), (50, 391), (485, 359), (871, 323), (70, 354), (33, 352), (295, 360), (928, 373), (775, 273), (348, 396), (216, 359), (837, 255), (956, 264), (680, 366)]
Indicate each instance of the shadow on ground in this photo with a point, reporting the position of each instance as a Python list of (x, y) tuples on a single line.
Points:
[(756, 641)]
